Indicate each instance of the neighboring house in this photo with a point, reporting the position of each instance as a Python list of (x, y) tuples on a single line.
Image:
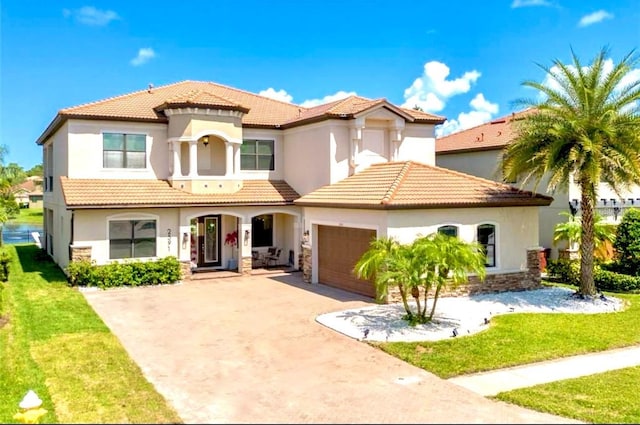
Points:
[(478, 151), (28, 194), (172, 170)]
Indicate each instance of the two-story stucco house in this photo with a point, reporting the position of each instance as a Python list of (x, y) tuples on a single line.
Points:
[(478, 151), (172, 170)]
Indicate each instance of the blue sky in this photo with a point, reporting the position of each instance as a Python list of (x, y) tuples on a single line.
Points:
[(464, 60)]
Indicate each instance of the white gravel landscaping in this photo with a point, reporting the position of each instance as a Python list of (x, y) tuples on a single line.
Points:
[(460, 316)]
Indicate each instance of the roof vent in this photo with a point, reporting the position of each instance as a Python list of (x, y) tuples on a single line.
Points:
[(150, 87)]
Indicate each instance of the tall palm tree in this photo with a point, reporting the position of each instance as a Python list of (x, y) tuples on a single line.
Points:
[(586, 126)]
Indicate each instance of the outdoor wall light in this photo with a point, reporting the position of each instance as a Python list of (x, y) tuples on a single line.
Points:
[(185, 239), (247, 235), (205, 140)]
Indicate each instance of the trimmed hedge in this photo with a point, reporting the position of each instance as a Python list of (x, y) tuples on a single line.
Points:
[(126, 273), (5, 260), (605, 279)]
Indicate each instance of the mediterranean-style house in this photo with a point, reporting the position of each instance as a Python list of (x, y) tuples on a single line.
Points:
[(478, 151), (174, 170), (28, 194)]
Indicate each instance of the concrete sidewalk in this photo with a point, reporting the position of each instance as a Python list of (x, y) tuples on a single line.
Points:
[(494, 382)]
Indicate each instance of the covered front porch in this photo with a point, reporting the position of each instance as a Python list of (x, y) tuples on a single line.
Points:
[(240, 241)]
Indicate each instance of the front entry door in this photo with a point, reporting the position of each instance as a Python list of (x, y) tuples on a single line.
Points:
[(209, 241)]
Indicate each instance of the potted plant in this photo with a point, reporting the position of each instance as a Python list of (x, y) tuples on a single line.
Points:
[(232, 239)]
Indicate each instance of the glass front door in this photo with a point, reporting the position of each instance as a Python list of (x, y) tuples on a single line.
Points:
[(208, 252)]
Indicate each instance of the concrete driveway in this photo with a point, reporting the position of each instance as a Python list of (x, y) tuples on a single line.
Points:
[(248, 350)]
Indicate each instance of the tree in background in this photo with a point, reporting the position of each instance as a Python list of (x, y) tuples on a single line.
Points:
[(9, 176), (627, 243), (586, 125), (604, 234)]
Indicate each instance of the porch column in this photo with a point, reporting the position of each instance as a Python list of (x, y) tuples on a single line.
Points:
[(177, 170), (244, 247), (236, 157), (229, 159), (193, 158), (395, 136)]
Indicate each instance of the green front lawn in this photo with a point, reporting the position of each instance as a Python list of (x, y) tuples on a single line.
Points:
[(516, 339), (28, 216), (55, 344)]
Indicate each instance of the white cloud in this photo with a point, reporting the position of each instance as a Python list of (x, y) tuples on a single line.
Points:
[(527, 3), (594, 18), (433, 89), (89, 15), (329, 98), (482, 111), (145, 54), (281, 95)]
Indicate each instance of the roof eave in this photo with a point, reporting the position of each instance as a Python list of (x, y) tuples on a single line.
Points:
[(466, 150), (398, 206), (176, 205)]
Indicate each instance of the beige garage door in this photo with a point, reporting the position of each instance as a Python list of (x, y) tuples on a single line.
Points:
[(339, 248)]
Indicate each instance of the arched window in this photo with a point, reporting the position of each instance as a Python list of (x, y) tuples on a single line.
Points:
[(486, 237), (449, 230)]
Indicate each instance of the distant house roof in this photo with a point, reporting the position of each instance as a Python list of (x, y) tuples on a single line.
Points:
[(106, 193), (495, 134), (404, 185), (260, 111), (29, 186)]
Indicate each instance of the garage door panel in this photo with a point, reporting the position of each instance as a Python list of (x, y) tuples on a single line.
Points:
[(339, 249)]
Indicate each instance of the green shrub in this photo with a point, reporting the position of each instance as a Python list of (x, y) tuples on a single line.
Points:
[(566, 271), (5, 260), (606, 280), (627, 243), (125, 273)]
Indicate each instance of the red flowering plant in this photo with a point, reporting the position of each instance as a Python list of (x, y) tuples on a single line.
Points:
[(232, 239)]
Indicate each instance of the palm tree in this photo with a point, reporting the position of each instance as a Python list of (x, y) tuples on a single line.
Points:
[(604, 233), (586, 127), (434, 261)]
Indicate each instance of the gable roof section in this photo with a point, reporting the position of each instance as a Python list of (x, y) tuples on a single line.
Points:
[(108, 193), (493, 135), (352, 106), (409, 184), (260, 111)]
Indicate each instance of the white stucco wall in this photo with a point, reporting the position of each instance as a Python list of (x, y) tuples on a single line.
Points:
[(418, 144), (85, 150), (516, 229), (307, 157)]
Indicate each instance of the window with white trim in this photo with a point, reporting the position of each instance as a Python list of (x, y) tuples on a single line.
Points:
[(132, 239), (120, 150), (449, 230), (256, 155), (486, 237)]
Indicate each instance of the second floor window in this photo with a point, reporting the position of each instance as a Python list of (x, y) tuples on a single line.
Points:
[(121, 150), (256, 155)]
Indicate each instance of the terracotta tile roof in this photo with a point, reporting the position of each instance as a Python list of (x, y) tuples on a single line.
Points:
[(353, 105), (260, 111), (201, 98), (492, 135), (31, 186), (409, 184), (105, 193)]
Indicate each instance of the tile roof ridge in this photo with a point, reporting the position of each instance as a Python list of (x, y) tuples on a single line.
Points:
[(395, 185), (341, 102), (483, 180), (70, 109), (251, 93)]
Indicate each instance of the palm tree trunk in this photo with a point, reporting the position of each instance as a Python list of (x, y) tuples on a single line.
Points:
[(435, 300), (587, 285), (403, 296)]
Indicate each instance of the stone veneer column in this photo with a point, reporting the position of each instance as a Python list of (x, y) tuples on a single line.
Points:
[(185, 269), (533, 267), (306, 263), (246, 265)]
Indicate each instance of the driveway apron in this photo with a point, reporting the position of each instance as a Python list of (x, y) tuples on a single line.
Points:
[(248, 350)]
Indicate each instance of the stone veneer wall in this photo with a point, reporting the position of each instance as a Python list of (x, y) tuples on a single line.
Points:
[(306, 263), (80, 253), (499, 282)]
